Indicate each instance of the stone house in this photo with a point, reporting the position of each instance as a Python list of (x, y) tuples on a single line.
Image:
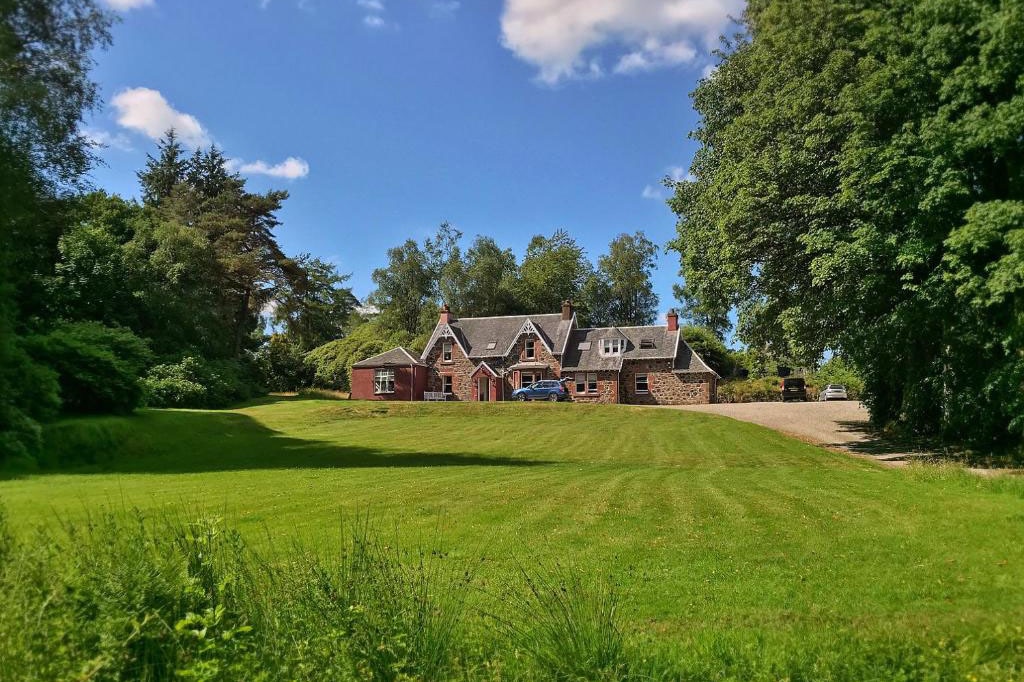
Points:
[(487, 358)]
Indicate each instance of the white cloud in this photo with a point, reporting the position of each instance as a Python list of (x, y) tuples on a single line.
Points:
[(559, 37), (652, 192), (291, 168), (147, 111), (371, 5), (104, 138), (125, 5), (374, 21)]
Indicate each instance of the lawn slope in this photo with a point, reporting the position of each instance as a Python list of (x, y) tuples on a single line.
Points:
[(710, 526)]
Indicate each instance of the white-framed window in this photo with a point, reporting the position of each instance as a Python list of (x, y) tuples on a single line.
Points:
[(446, 351), (383, 381), (529, 349), (581, 383), (641, 383), (446, 383), (612, 346), (592, 382), (527, 379)]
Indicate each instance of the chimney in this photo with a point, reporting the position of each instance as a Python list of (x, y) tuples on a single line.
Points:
[(566, 310), (673, 320), (446, 315)]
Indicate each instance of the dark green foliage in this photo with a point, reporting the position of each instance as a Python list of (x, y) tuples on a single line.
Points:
[(282, 364), (859, 187), (332, 363), (197, 383), (620, 292), (489, 280), (98, 367), (710, 348), (553, 270), (314, 308), (405, 291)]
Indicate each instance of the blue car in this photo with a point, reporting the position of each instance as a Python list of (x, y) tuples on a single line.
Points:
[(549, 389)]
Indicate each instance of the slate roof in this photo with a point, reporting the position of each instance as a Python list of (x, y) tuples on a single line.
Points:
[(391, 358), (476, 333), (667, 345)]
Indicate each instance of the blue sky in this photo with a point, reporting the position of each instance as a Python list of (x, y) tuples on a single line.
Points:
[(384, 118)]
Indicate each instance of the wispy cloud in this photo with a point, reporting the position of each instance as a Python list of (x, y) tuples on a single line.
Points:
[(652, 192), (292, 168), (125, 5), (106, 139), (564, 39), (147, 111), (374, 13)]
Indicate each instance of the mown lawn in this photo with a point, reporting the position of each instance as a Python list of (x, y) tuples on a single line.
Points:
[(708, 525)]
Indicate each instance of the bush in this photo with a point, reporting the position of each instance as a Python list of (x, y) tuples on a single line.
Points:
[(331, 363), (765, 389), (196, 383), (282, 365), (838, 371), (97, 367), (710, 349)]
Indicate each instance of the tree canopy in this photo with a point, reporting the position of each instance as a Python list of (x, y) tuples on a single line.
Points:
[(859, 187)]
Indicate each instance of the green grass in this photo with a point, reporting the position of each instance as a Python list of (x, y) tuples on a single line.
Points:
[(716, 533)]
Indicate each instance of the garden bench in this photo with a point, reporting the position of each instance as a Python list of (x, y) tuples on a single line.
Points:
[(435, 396)]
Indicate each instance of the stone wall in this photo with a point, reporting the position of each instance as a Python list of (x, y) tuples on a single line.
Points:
[(665, 386), (460, 368), (607, 388), (518, 354)]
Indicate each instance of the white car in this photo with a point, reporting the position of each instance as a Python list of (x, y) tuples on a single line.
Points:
[(833, 392)]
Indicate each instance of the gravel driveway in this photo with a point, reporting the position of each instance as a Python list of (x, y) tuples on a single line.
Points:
[(839, 424)]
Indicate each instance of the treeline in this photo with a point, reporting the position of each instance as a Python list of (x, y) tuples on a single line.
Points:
[(484, 279), (860, 187), (106, 303), (186, 298)]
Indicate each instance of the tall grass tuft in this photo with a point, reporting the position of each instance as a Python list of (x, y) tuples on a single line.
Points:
[(127, 597), (568, 625), (404, 610)]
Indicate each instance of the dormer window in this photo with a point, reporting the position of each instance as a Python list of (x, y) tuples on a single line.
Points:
[(612, 346), (446, 352), (646, 344), (529, 349)]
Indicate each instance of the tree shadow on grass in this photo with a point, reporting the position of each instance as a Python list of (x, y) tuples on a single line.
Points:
[(182, 441), (888, 447)]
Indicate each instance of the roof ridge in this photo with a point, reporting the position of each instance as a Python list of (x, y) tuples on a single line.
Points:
[(500, 317)]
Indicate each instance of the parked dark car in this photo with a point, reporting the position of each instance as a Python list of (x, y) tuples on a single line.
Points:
[(548, 389), (793, 388)]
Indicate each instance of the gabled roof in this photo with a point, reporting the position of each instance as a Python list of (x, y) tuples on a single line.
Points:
[(475, 334), (391, 358), (583, 352)]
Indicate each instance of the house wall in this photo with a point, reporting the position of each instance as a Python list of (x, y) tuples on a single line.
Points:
[(541, 354), (607, 388), (666, 387), (460, 368), (406, 388)]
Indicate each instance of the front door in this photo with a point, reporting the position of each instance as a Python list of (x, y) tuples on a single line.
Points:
[(483, 389)]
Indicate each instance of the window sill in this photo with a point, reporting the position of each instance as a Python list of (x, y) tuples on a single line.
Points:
[(384, 393)]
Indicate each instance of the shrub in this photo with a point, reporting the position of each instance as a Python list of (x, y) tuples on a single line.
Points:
[(282, 365), (196, 383), (710, 348), (331, 363), (838, 371), (750, 390), (98, 367)]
